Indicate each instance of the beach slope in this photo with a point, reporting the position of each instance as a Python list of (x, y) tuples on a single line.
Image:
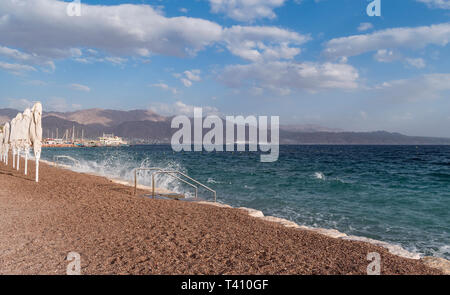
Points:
[(116, 232)]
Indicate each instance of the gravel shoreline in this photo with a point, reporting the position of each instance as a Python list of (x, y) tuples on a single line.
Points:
[(116, 232)]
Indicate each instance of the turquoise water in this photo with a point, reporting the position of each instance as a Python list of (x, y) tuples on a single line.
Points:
[(398, 194)]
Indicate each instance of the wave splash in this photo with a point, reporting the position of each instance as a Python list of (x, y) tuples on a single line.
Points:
[(319, 175), (121, 166)]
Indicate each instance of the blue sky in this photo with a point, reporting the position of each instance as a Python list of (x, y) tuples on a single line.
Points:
[(323, 62)]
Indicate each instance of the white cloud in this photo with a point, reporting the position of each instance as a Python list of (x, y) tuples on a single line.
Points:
[(365, 27), (16, 69), (19, 103), (92, 58), (57, 104), (282, 77), (415, 38), (116, 60), (14, 54), (193, 75), (47, 30), (30, 59), (426, 87), (418, 63), (43, 32), (257, 43), (444, 4), (60, 104), (180, 108), (246, 10), (188, 77), (80, 87), (166, 87), (186, 82), (384, 55)]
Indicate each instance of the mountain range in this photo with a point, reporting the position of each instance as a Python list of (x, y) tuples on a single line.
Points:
[(145, 126)]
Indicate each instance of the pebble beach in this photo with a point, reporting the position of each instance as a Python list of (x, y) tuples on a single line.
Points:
[(116, 232)]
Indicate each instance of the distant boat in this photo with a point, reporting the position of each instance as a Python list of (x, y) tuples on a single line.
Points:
[(111, 140)]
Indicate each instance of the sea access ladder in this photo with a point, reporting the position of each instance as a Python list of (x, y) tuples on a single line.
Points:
[(180, 176)]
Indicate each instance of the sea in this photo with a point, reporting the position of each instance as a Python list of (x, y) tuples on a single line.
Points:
[(396, 194)]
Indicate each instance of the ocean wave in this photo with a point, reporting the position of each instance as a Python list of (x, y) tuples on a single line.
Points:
[(212, 180), (319, 175), (120, 166)]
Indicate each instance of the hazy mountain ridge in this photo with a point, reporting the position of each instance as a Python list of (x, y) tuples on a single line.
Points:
[(107, 117), (148, 127)]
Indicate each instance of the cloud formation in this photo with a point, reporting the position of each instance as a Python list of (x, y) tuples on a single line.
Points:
[(257, 43), (365, 27), (415, 38), (16, 69), (425, 87), (47, 30), (180, 108), (43, 32), (246, 10), (80, 87), (443, 4), (166, 87), (283, 76)]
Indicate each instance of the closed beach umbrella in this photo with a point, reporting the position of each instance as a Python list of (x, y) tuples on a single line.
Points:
[(18, 138), (2, 147), (35, 134), (6, 132), (25, 136), (12, 140)]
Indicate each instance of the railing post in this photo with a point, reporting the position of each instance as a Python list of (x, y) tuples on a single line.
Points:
[(153, 186), (135, 181), (171, 173)]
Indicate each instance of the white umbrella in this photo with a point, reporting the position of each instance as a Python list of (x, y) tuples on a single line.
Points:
[(25, 135), (6, 131), (35, 134), (19, 136), (2, 145), (12, 140)]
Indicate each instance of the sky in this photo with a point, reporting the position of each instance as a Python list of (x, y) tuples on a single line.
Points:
[(323, 62)]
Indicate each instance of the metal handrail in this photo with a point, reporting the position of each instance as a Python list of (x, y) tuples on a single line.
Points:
[(170, 172), (142, 169), (191, 179), (176, 177)]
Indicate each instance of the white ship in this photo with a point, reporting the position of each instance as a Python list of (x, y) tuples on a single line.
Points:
[(111, 140)]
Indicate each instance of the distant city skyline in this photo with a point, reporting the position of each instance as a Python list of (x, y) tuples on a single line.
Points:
[(310, 62)]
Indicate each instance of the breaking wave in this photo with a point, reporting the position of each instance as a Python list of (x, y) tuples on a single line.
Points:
[(319, 175), (117, 165)]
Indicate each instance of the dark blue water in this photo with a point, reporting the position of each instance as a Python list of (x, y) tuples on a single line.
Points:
[(398, 194)]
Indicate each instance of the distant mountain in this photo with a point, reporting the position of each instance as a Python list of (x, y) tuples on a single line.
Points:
[(7, 114), (142, 126), (107, 117), (309, 128), (369, 138)]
